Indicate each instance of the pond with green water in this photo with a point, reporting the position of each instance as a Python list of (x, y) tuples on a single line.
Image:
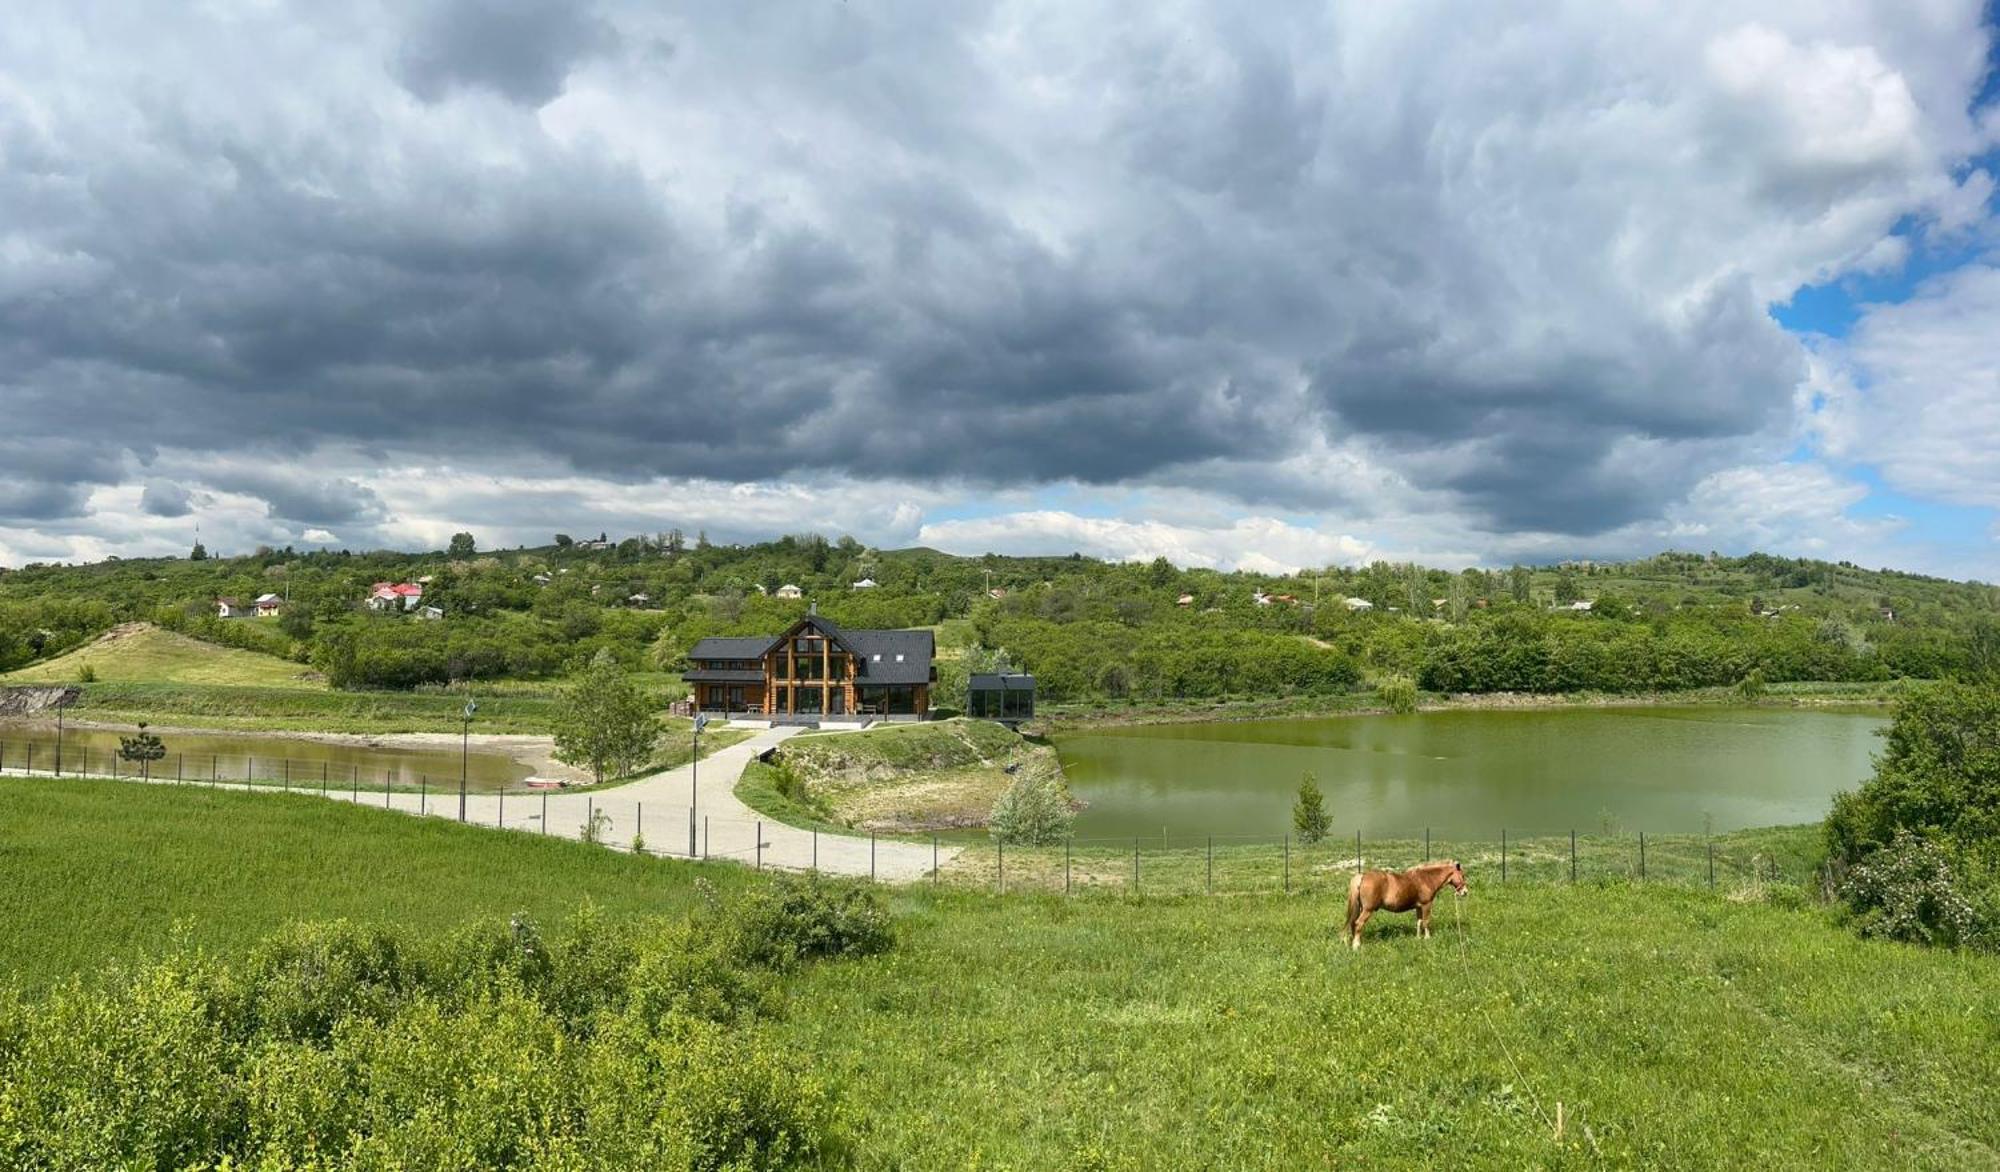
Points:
[(1472, 773)]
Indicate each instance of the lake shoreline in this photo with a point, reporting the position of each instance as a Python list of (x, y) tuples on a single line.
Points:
[(534, 752), (1354, 704)]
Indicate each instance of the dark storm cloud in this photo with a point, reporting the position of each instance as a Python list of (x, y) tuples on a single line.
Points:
[(164, 498), (520, 49), (28, 501), (895, 242), (303, 498)]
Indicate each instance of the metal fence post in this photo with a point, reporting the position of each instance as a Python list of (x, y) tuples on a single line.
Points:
[(288, 775), (638, 815), (1288, 864), (180, 762), (1572, 855), (249, 766), (760, 851), (322, 779), (1642, 856), (934, 861), (1711, 864), (1211, 864), (1135, 866), (1503, 854), (1000, 851), (590, 817)]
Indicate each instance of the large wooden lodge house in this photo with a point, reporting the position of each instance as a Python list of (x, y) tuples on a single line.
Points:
[(815, 669)]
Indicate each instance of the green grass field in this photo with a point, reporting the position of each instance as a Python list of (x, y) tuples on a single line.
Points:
[(141, 653), (1678, 1028)]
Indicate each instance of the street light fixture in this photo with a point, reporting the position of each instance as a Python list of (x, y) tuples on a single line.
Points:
[(694, 793), (465, 753)]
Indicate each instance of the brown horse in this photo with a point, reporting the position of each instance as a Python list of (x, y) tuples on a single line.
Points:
[(1399, 891)]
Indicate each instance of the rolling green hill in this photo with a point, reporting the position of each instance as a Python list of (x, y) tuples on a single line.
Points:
[(140, 653)]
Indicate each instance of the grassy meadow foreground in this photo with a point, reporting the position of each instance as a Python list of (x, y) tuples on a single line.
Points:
[(1677, 1027)]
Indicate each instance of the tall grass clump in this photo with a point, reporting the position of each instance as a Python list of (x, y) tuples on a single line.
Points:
[(1399, 694), (609, 1044)]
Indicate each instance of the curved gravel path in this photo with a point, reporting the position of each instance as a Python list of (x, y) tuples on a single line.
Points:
[(662, 808)]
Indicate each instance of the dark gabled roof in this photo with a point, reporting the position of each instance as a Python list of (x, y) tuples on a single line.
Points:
[(826, 626), (1002, 682), (916, 648), (730, 647), (875, 651)]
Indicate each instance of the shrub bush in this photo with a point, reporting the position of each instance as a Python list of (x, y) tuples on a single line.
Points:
[(1907, 891), (1399, 694), (1033, 810), (796, 918), (613, 1045)]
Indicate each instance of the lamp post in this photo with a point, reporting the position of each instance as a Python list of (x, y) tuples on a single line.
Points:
[(59, 734), (694, 792), (465, 753)]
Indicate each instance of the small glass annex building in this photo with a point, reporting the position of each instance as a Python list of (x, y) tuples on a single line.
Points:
[(1003, 696)]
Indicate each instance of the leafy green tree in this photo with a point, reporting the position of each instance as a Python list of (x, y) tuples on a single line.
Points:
[(603, 721), (462, 546), (564, 541), (1938, 776), (142, 749), (1160, 573), (199, 553), (1309, 815), (1566, 587)]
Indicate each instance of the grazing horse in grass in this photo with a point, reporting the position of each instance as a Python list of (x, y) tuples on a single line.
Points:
[(1399, 891)]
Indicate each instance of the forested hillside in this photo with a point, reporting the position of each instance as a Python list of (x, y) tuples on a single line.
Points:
[(1089, 629)]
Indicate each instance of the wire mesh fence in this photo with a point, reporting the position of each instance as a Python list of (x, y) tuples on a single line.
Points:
[(1152, 865)]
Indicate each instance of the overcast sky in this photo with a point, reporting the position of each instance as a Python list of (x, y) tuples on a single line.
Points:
[(1271, 285)]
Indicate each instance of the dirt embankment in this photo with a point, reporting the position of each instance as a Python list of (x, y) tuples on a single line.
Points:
[(30, 702)]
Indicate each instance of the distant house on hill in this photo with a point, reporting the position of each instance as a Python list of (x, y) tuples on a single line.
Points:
[(640, 600), (395, 596), (430, 612), (865, 584), (230, 608), (268, 605), (790, 591)]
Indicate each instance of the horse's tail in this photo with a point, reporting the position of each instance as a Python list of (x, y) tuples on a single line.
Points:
[(1353, 903)]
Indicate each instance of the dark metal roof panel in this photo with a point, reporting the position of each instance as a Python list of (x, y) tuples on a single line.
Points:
[(730, 647), (916, 647)]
